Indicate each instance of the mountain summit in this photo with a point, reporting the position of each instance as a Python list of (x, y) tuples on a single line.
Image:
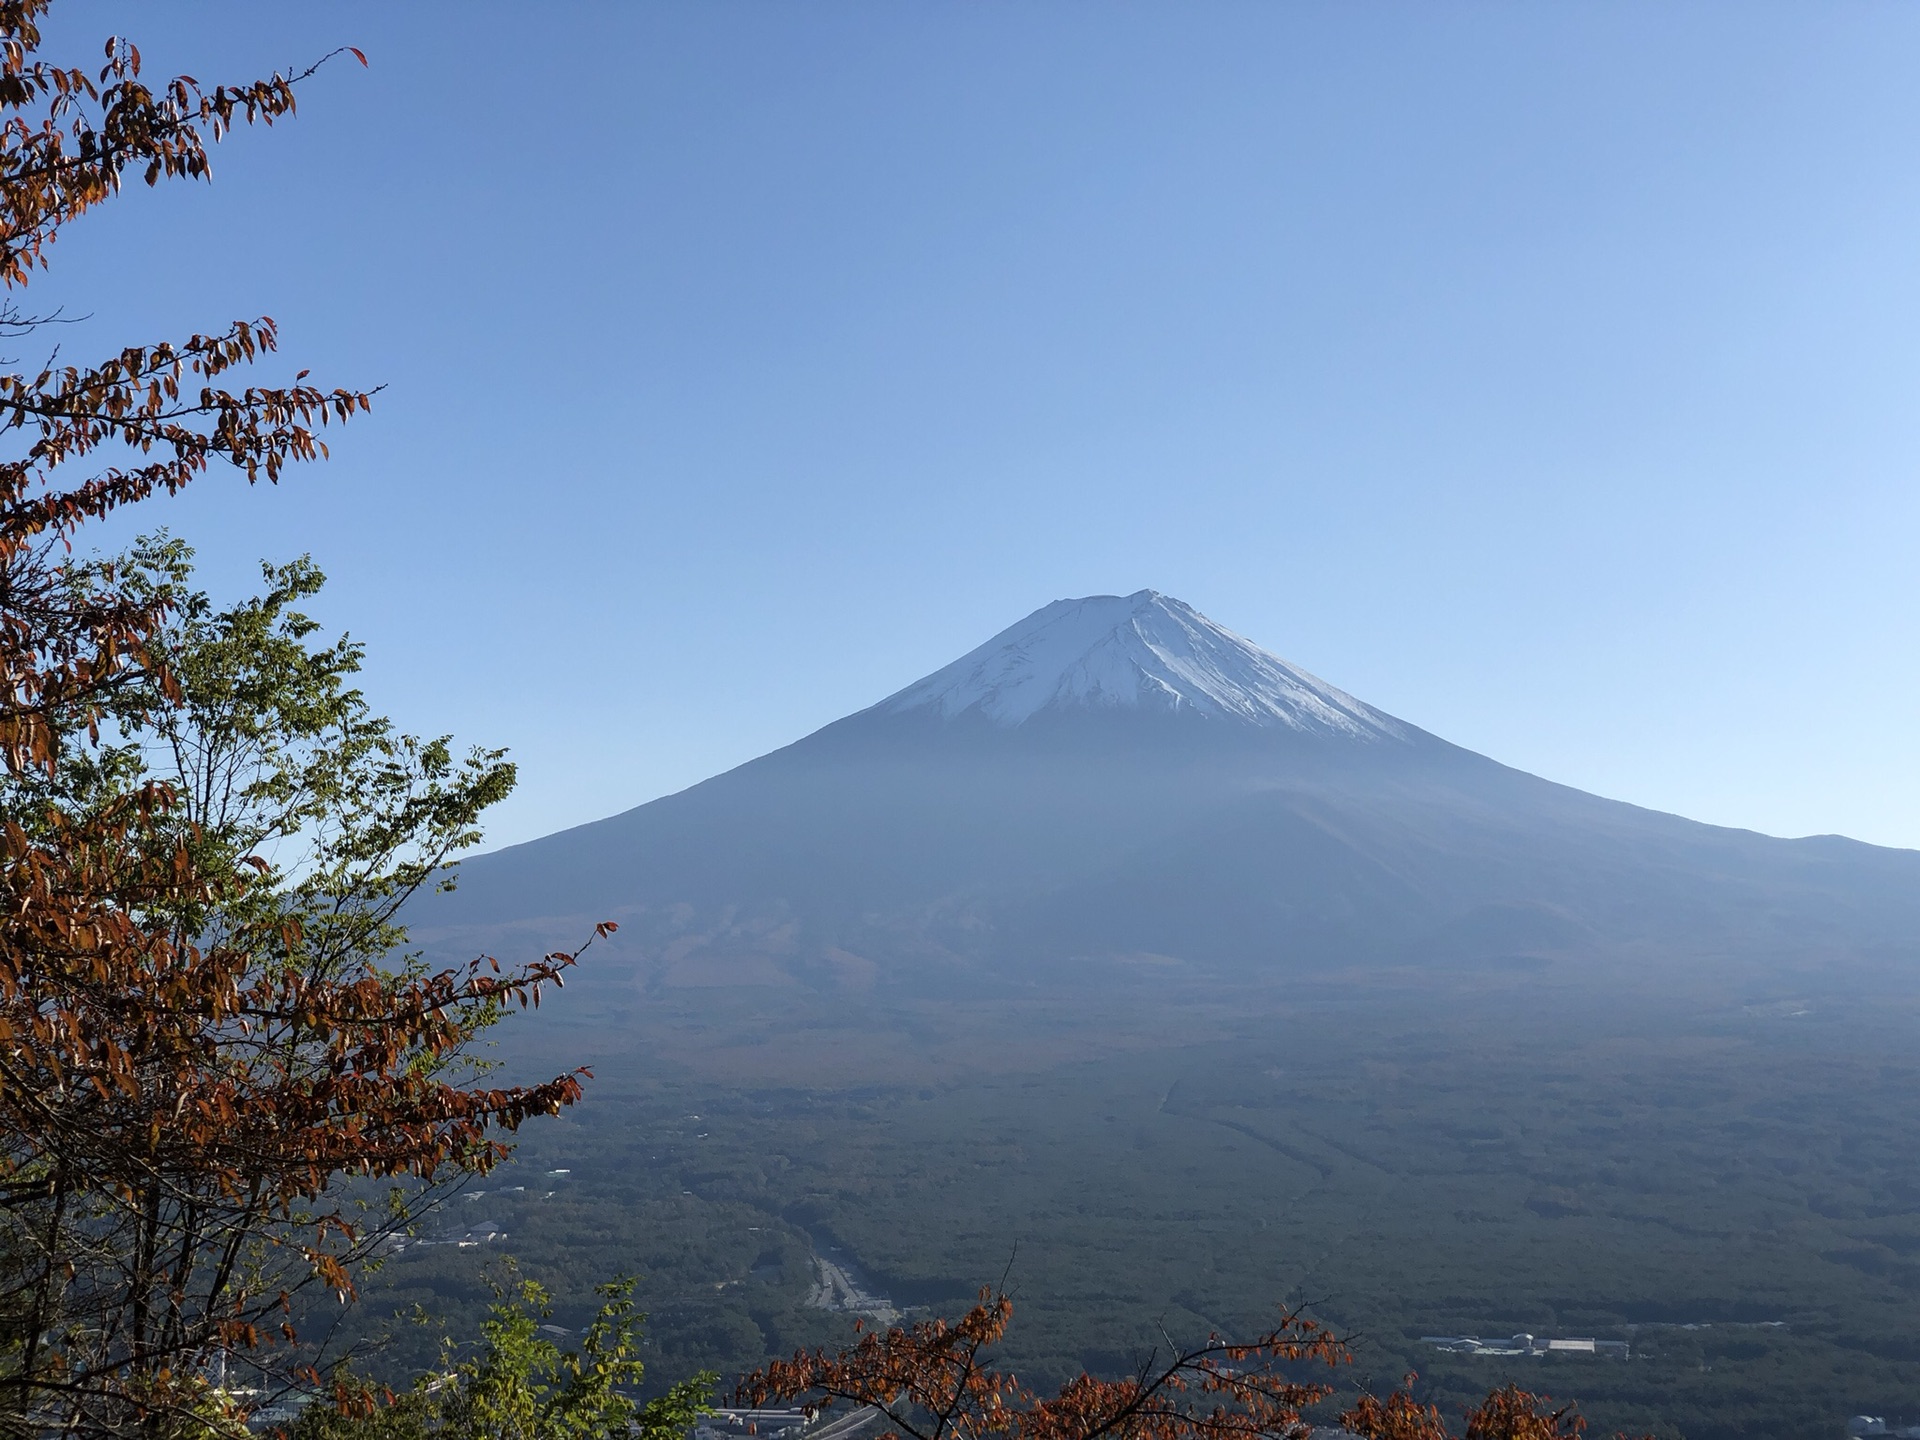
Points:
[(1116, 776), (1144, 651)]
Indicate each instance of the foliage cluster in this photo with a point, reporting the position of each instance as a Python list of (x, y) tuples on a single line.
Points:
[(520, 1385), (200, 1029), (934, 1381)]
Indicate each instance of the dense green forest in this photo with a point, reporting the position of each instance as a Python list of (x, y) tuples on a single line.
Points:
[(1736, 1193)]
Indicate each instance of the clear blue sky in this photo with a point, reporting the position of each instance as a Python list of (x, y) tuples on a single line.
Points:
[(1548, 375)]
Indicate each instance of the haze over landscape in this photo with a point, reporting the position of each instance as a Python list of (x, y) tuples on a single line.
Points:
[(1472, 899), (1120, 777), (1119, 935)]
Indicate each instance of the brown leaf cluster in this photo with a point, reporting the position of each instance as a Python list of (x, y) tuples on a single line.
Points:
[(176, 1107), (1508, 1413), (160, 411), (933, 1382)]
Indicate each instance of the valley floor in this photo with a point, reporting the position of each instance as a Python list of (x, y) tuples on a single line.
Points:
[(1735, 1191)]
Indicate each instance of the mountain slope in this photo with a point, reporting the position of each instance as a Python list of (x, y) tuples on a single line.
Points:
[(1116, 776)]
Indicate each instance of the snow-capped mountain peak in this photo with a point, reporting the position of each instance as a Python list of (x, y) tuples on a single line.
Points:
[(1144, 651)]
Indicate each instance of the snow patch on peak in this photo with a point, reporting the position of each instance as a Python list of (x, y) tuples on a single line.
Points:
[(1144, 651)]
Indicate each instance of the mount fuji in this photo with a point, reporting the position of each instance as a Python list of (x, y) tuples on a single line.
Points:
[(1139, 652), (1118, 777)]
